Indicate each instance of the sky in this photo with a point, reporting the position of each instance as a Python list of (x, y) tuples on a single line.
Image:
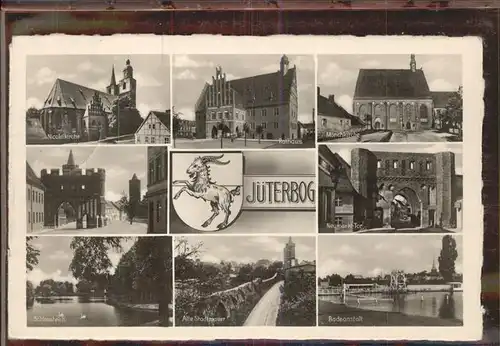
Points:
[(345, 151), (190, 72), (337, 74), (371, 255), (250, 249), (152, 73), (119, 162), (56, 255)]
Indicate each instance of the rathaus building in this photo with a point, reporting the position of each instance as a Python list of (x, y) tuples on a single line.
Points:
[(267, 103)]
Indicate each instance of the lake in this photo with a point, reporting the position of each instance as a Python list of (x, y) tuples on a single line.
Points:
[(75, 311), (430, 304)]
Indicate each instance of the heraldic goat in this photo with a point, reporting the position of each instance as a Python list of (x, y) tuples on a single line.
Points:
[(201, 186)]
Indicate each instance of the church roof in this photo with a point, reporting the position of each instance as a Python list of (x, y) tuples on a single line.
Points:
[(260, 90), (66, 94), (31, 177), (330, 108), (441, 98), (71, 159), (391, 84)]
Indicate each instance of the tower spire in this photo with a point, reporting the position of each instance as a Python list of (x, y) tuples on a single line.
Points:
[(413, 63), (71, 160), (113, 78)]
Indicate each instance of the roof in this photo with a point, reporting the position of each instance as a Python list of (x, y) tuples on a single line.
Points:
[(330, 108), (395, 84), (163, 117), (307, 125), (260, 90), (31, 177), (112, 205), (441, 98), (66, 94)]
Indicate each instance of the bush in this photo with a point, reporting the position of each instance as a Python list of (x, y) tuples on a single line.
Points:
[(298, 300)]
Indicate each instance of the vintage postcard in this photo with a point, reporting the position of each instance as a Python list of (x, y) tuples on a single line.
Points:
[(151, 211)]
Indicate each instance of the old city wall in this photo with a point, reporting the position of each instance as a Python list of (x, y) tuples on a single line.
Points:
[(72, 187), (232, 306)]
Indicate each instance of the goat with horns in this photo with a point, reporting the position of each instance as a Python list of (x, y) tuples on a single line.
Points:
[(201, 186)]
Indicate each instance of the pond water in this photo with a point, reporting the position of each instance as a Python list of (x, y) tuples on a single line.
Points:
[(430, 304), (75, 311)]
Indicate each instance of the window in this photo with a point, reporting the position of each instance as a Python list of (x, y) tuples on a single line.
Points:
[(153, 140), (154, 126), (264, 125), (323, 122), (29, 217), (166, 140), (124, 86), (29, 195), (338, 221), (264, 112), (276, 125), (219, 115), (138, 139), (33, 195), (412, 164), (146, 139), (387, 164), (149, 126), (226, 115), (158, 212), (338, 201), (379, 163), (151, 172), (213, 116), (62, 187), (83, 187), (428, 165), (277, 111), (395, 164)]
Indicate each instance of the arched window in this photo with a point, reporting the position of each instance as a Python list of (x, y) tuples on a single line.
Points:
[(424, 114), (393, 114)]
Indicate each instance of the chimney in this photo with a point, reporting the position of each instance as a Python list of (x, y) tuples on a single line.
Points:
[(331, 98), (318, 91)]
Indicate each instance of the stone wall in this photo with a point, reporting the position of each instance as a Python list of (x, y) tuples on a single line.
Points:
[(230, 307)]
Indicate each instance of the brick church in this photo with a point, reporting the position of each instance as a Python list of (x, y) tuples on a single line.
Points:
[(88, 114), (394, 99), (267, 103)]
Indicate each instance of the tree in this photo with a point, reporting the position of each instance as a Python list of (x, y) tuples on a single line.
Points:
[(453, 115), (32, 112), (246, 129), (176, 125), (185, 256), (335, 280), (32, 254), (447, 257), (259, 130), (91, 257)]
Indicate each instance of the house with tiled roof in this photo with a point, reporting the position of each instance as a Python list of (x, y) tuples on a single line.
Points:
[(155, 129), (332, 117), (84, 113), (267, 101), (35, 199), (337, 195), (394, 99)]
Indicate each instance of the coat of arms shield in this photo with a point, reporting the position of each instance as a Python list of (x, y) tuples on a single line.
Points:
[(207, 188)]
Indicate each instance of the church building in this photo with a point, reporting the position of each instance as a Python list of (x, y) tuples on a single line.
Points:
[(267, 103), (394, 99), (75, 110)]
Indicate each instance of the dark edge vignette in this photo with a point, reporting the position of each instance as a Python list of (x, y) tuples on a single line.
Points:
[(452, 22)]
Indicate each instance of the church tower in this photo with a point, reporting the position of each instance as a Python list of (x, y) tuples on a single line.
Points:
[(284, 64), (112, 88), (70, 166), (134, 189), (127, 85), (413, 63), (289, 254)]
